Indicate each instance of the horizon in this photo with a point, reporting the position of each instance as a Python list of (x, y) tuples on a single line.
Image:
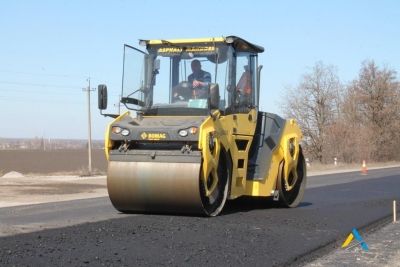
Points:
[(55, 139)]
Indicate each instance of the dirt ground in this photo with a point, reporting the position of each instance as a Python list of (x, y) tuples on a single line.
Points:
[(24, 176), (16, 190), (37, 161)]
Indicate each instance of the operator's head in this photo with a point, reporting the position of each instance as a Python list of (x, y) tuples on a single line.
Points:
[(196, 66)]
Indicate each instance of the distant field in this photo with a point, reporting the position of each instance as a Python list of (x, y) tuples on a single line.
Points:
[(28, 161)]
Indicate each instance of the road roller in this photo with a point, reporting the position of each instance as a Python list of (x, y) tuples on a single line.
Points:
[(192, 135)]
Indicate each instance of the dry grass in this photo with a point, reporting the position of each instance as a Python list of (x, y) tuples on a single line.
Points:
[(318, 167), (80, 173), (33, 163), (84, 171)]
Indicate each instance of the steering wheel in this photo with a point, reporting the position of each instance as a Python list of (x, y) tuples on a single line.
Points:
[(184, 90)]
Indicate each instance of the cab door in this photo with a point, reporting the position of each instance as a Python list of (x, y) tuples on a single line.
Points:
[(135, 79)]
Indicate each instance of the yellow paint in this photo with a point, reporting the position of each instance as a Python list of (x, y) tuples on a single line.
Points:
[(239, 164), (107, 142), (269, 182), (239, 182), (210, 158), (188, 41), (169, 50), (226, 137), (348, 240), (173, 117)]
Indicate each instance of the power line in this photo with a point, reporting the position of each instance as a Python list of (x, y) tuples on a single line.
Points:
[(119, 85), (58, 75), (44, 93), (20, 91), (19, 99), (41, 85), (42, 74)]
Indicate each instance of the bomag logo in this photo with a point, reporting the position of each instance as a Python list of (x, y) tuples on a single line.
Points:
[(153, 136)]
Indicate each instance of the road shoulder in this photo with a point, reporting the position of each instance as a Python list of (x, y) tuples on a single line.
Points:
[(18, 190), (384, 250)]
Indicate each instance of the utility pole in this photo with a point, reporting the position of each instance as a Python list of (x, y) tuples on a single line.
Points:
[(88, 89), (118, 104)]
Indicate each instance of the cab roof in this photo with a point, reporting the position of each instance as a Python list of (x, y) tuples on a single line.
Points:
[(239, 44)]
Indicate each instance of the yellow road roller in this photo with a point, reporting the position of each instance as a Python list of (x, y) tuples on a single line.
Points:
[(193, 136)]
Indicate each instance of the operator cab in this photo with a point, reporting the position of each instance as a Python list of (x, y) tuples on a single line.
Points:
[(160, 81)]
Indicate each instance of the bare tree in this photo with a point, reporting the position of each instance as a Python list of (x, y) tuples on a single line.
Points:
[(315, 104), (372, 108)]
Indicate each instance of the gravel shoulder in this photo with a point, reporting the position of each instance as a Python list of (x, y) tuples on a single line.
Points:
[(384, 250), (383, 243), (18, 190)]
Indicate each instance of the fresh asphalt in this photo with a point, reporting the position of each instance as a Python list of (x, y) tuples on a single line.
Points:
[(248, 232)]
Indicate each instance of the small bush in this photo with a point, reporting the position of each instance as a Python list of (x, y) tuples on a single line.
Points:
[(84, 171)]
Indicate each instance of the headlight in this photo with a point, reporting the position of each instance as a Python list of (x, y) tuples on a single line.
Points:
[(183, 133), (125, 132), (191, 130), (229, 40)]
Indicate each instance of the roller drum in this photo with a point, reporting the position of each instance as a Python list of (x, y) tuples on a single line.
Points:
[(160, 187)]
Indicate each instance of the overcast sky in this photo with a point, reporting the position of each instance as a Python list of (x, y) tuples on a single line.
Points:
[(48, 49)]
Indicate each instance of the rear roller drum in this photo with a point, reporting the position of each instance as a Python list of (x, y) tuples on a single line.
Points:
[(291, 191)]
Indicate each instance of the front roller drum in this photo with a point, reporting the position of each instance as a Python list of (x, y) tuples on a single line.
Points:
[(158, 187)]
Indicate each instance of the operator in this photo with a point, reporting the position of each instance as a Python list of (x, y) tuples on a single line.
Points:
[(243, 85), (199, 79)]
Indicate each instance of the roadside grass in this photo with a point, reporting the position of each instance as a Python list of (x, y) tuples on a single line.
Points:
[(313, 169), (343, 167), (84, 171)]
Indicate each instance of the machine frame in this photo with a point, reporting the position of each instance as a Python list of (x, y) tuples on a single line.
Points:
[(191, 155)]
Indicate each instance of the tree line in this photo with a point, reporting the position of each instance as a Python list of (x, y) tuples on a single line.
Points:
[(349, 121)]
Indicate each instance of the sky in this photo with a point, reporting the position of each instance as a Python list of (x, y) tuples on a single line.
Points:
[(49, 49)]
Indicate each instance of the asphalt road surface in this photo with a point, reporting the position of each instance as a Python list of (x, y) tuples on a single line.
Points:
[(249, 231)]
